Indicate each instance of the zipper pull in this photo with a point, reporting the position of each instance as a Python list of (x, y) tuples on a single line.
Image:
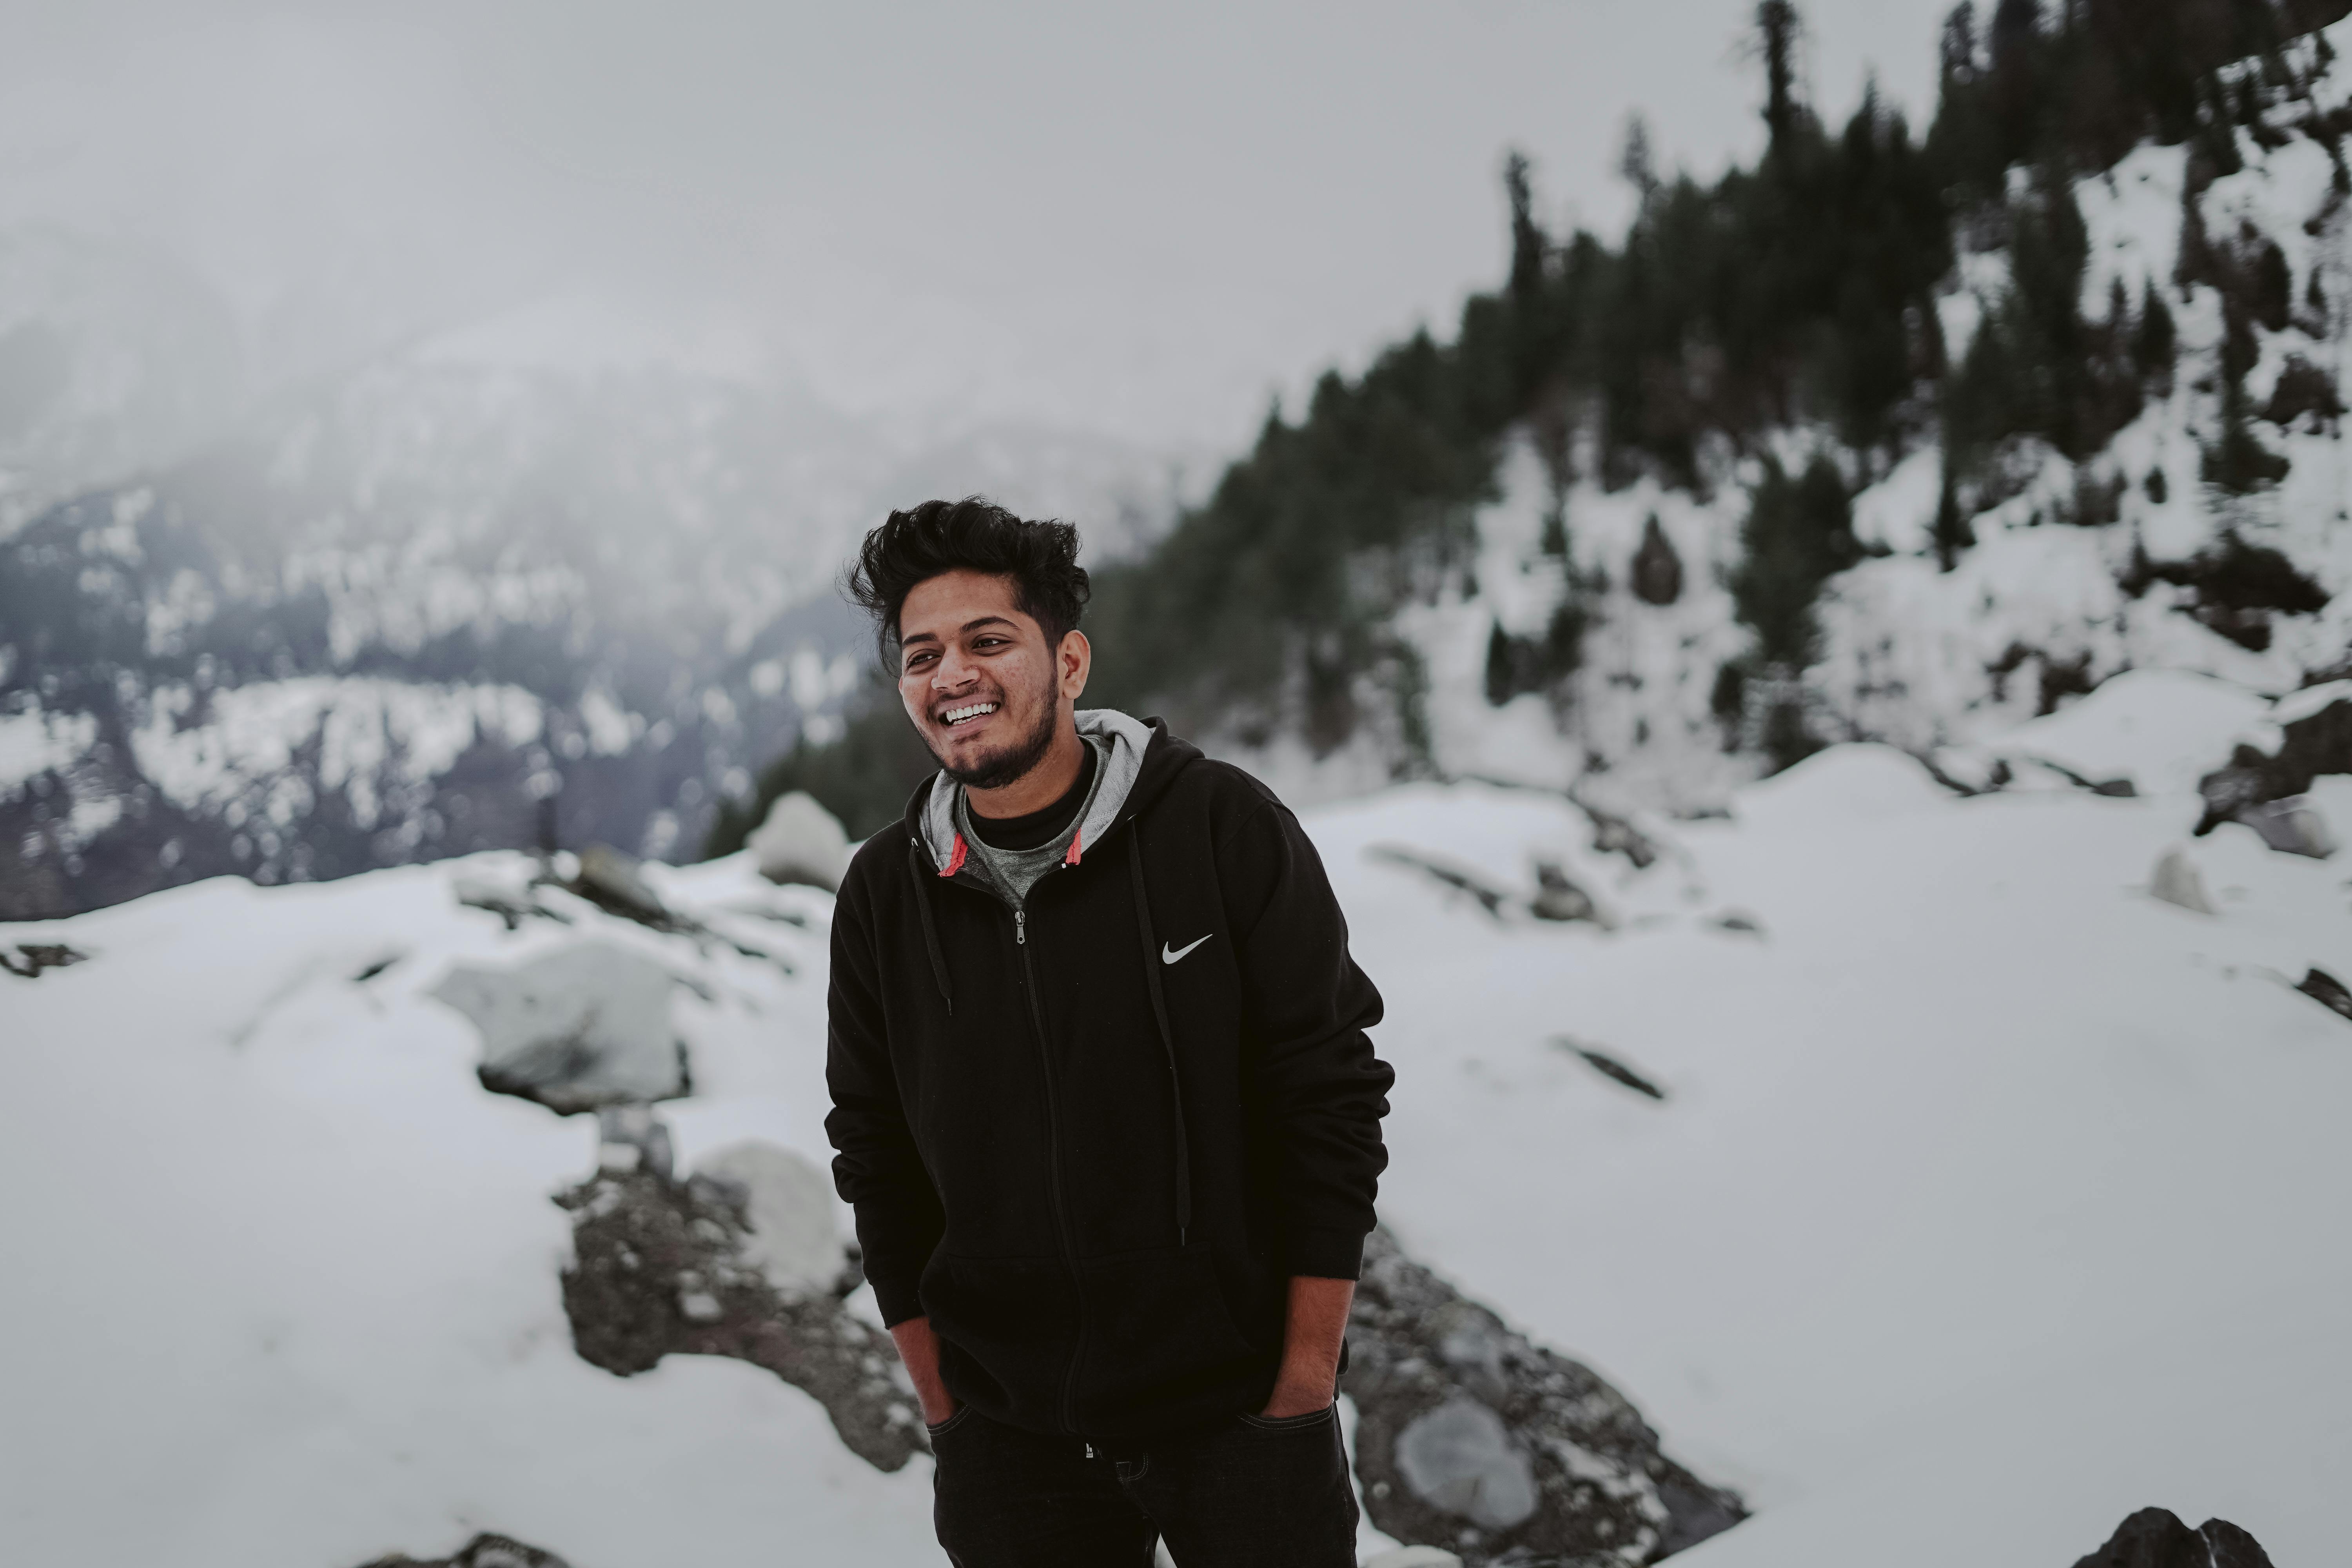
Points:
[(1021, 926)]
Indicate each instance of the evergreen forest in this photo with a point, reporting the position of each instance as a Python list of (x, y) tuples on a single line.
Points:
[(1799, 292)]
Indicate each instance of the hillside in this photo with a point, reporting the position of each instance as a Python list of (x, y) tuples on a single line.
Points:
[(1895, 434), (1910, 1168)]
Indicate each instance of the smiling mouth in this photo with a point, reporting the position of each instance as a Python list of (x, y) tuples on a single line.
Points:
[(964, 715)]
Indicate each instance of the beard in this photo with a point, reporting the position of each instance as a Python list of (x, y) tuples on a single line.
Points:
[(1014, 759)]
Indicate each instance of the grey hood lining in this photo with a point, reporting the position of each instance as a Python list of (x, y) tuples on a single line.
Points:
[(1123, 741)]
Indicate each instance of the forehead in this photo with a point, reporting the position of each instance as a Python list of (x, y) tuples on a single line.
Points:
[(942, 606)]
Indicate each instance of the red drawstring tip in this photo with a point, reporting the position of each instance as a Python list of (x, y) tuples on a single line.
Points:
[(1072, 857), (955, 860)]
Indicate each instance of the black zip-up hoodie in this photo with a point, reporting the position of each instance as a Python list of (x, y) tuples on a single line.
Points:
[(1094, 1141)]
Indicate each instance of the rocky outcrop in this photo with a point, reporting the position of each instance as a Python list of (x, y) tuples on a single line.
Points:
[(35, 956), (2327, 991), (662, 1268), (584, 1026), (2155, 1538), (482, 1552), (801, 842), (1472, 1438), (2314, 738)]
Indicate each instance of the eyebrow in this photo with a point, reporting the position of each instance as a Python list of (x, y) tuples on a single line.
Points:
[(967, 626)]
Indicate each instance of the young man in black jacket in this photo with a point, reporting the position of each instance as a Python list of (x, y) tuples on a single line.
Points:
[(1101, 1093)]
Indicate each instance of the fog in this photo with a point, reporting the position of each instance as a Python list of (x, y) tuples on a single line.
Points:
[(1140, 223)]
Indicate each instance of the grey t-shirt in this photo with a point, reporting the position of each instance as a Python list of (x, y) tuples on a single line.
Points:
[(1011, 873)]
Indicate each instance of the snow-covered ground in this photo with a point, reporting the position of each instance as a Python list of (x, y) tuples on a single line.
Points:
[(1989, 1200)]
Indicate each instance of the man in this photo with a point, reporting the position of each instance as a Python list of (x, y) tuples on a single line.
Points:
[(1102, 1094)]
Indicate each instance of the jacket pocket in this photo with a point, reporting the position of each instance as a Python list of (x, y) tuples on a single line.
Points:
[(1161, 1336), (1007, 1327)]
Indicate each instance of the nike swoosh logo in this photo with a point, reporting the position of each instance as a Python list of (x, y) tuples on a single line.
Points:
[(1171, 954)]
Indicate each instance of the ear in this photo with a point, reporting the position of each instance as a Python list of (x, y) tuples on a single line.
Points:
[(1073, 662)]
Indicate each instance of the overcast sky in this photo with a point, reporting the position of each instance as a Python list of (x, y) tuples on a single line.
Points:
[(1142, 220)]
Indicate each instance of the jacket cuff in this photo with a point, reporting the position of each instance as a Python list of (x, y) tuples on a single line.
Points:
[(898, 1298), (1325, 1253)]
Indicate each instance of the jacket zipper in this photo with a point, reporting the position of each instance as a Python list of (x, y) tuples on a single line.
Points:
[(1054, 1161)]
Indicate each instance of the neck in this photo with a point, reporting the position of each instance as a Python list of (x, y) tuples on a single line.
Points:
[(1042, 785)]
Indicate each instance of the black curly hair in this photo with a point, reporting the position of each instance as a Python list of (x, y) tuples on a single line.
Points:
[(973, 534)]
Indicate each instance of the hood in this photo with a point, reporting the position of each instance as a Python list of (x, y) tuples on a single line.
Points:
[(1134, 753)]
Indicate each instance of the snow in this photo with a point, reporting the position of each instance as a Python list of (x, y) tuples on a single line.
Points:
[(1986, 1190), (32, 743)]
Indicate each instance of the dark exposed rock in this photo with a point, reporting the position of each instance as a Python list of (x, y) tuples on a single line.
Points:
[(482, 1552), (1559, 899), (1490, 898), (612, 882), (1609, 1066), (2155, 1538), (660, 1268), (1657, 574), (1472, 1438), (34, 956), (2327, 991), (2291, 826), (2314, 744)]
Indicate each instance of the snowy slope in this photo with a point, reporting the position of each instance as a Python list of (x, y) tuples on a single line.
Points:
[(1990, 1199)]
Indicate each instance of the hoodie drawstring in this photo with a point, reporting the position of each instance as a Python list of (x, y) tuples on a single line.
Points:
[(1167, 1034), (930, 930)]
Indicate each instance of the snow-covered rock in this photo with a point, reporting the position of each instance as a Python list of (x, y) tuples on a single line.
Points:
[(587, 1025), (2177, 881), (1470, 1434), (788, 1203), (2292, 826), (801, 842)]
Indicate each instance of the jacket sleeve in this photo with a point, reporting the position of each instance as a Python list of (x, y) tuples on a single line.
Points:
[(876, 1168), (1305, 1007)]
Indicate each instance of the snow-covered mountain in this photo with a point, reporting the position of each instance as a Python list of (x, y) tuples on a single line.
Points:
[(1916, 1164), (392, 615)]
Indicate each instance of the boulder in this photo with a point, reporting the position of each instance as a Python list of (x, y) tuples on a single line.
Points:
[(2292, 826), (665, 1267), (584, 1026), (610, 879), (483, 1552), (2327, 991), (2156, 1538), (35, 956), (1472, 1438), (2177, 881), (1560, 898), (2315, 731), (788, 1204), (801, 842)]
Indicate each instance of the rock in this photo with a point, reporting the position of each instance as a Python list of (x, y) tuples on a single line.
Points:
[(788, 1203), (482, 1552), (1609, 1066), (2292, 826), (2155, 1538), (1490, 898), (1735, 922), (2177, 881), (2327, 991), (663, 1267), (511, 901), (801, 842), (611, 881), (1657, 574), (1463, 1423), (1559, 899), (34, 956), (582, 1026), (1459, 1457), (1414, 1557), (2314, 738)]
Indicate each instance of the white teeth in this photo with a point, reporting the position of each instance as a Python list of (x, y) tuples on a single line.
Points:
[(958, 715)]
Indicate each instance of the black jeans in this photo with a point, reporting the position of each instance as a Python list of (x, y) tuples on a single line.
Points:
[(1249, 1493)]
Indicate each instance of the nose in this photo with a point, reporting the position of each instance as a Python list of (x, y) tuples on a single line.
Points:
[(953, 672)]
